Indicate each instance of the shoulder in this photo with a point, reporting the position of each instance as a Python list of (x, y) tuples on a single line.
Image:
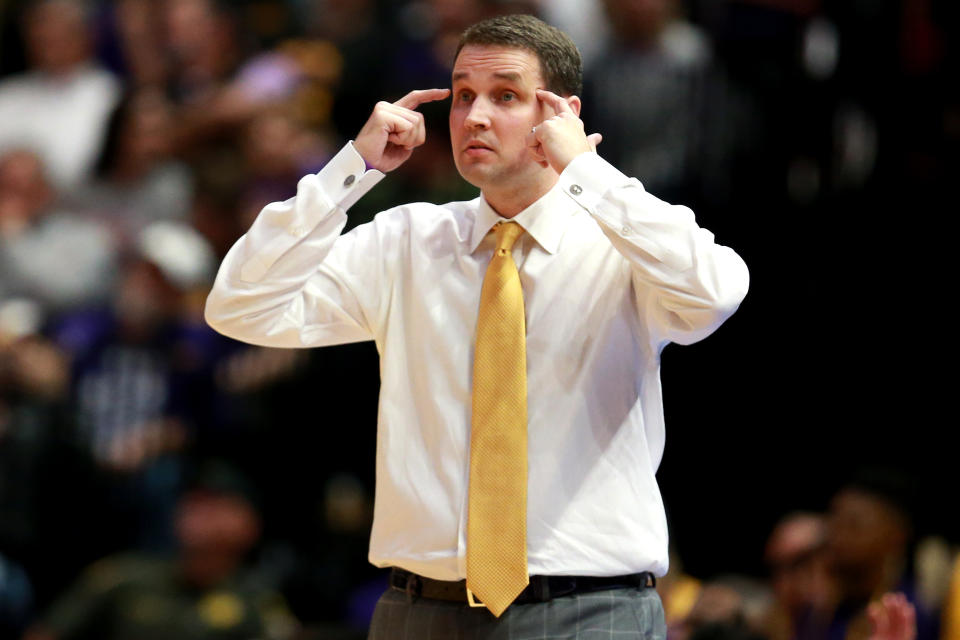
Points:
[(17, 94), (126, 569), (17, 83), (97, 77)]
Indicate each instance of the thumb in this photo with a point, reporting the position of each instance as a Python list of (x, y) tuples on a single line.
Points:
[(594, 139)]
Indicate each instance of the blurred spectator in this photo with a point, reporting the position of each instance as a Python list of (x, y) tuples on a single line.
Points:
[(337, 584), (277, 151), (585, 20), (138, 181), (33, 377), (731, 602), (218, 88), (138, 380), (45, 482), (47, 254), (869, 532), (951, 606), (59, 107), (202, 40), (678, 591), (725, 631), (132, 45), (798, 572), (892, 618), (366, 41), (428, 34), (31, 382), (430, 31), (204, 591), (933, 560), (660, 102)]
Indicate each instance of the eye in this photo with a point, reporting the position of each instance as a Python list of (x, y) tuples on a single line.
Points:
[(508, 96), (464, 96)]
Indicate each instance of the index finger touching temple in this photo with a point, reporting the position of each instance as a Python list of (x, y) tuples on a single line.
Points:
[(557, 103), (419, 96)]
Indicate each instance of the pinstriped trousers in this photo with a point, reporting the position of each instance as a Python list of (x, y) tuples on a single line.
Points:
[(616, 614)]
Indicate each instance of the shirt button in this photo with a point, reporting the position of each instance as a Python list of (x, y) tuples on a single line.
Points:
[(576, 189), (626, 231), (299, 231), (349, 180)]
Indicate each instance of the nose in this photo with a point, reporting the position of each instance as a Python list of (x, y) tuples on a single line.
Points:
[(478, 117)]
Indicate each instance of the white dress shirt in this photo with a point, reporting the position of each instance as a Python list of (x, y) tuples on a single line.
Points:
[(61, 118), (610, 275)]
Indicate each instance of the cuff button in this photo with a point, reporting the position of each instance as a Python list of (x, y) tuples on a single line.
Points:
[(349, 180), (576, 189)]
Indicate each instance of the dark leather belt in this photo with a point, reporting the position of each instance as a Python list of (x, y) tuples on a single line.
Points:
[(540, 589)]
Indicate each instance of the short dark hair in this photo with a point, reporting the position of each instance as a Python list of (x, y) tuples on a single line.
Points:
[(560, 62)]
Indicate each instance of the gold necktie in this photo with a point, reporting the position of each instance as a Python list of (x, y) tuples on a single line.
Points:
[(497, 516)]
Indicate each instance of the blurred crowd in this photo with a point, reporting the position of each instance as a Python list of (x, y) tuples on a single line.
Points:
[(158, 480)]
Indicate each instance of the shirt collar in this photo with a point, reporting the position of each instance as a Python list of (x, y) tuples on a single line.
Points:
[(545, 220)]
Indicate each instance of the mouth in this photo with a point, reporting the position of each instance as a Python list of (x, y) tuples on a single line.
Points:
[(475, 146)]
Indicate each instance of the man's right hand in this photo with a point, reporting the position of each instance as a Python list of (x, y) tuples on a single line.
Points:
[(395, 130)]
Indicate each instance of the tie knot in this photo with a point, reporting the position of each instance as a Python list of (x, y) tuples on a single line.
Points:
[(507, 234)]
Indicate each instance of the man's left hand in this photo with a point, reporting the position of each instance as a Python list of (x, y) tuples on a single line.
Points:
[(560, 138)]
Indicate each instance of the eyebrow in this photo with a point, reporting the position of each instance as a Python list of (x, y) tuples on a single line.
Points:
[(510, 76)]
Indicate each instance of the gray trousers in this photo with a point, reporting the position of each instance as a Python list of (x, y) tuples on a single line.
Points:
[(616, 614)]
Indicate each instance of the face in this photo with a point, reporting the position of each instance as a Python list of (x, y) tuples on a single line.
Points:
[(57, 37), (146, 134), (794, 555), (863, 530), (494, 106), (214, 531)]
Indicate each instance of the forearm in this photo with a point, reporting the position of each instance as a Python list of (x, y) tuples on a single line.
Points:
[(259, 293)]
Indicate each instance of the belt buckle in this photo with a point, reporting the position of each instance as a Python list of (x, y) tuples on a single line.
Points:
[(473, 602)]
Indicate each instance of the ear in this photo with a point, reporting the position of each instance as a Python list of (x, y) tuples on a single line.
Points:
[(574, 102)]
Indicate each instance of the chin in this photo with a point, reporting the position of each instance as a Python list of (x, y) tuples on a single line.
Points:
[(473, 175)]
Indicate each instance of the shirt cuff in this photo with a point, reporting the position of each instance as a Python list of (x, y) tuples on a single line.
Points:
[(345, 178), (588, 178)]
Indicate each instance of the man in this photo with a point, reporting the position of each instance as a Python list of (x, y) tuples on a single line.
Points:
[(609, 275), (60, 106), (867, 549), (801, 585), (202, 592)]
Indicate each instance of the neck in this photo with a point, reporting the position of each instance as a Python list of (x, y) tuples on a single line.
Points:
[(509, 202), (63, 69)]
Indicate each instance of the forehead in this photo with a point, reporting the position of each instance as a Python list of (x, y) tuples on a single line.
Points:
[(481, 62)]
